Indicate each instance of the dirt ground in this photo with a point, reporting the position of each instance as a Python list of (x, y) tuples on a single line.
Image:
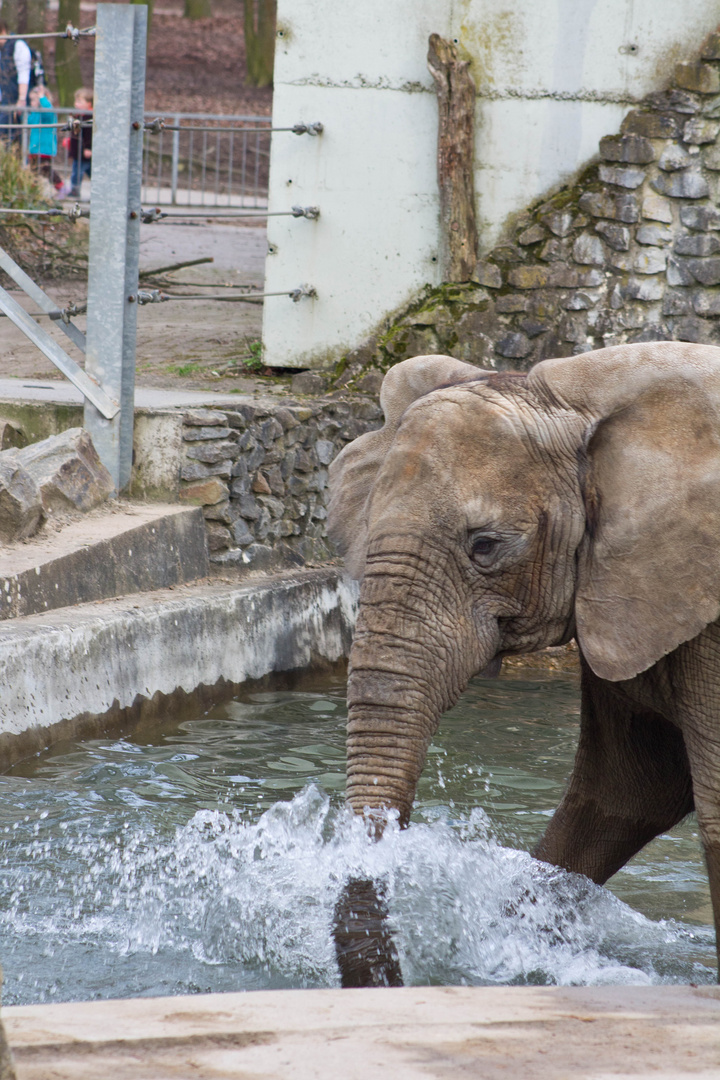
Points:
[(179, 343)]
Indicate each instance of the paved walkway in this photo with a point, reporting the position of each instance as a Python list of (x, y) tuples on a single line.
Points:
[(517, 1033), (59, 391)]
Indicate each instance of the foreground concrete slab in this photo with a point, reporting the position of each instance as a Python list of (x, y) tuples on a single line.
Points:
[(528, 1033), (84, 670), (129, 549)]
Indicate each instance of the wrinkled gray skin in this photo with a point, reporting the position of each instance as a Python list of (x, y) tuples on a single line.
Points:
[(498, 514)]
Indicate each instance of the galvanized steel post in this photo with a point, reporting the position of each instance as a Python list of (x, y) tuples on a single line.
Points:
[(115, 227), (175, 160)]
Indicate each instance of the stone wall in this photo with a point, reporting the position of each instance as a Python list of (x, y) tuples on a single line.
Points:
[(630, 252), (260, 474)]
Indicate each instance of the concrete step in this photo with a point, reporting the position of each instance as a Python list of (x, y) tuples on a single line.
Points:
[(92, 668), (125, 549)]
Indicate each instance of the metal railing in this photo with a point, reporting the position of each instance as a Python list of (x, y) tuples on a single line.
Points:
[(202, 159), (195, 159)]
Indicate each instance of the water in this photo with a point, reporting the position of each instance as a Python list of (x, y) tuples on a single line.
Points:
[(208, 854)]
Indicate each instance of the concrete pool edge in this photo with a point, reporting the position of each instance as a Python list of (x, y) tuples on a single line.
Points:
[(583, 1032), (80, 671)]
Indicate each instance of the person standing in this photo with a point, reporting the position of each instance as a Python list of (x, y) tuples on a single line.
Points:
[(42, 135), (15, 69), (80, 152)]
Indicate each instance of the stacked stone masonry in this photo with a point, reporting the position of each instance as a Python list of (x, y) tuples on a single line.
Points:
[(631, 252), (260, 472)]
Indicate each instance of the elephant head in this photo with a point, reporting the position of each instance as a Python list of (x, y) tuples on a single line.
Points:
[(497, 514)]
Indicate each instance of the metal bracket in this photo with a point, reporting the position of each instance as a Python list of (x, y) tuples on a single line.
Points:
[(150, 215), (304, 290), (76, 212), (75, 125), (312, 213), (65, 314), (72, 32), (149, 296), (308, 129)]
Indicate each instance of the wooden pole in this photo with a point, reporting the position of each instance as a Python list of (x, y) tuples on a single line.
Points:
[(455, 159)]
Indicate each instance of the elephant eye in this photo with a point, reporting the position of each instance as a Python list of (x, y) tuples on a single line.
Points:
[(483, 548)]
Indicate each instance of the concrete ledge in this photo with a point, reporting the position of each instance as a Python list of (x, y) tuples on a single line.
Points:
[(533, 1033), (78, 671), (113, 554)]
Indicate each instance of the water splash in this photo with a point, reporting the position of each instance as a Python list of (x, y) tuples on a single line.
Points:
[(227, 903)]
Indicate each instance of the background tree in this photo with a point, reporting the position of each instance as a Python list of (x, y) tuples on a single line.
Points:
[(197, 9), (27, 17), (24, 16), (260, 18), (68, 76)]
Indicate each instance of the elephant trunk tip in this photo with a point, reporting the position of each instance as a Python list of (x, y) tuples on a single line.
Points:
[(378, 811)]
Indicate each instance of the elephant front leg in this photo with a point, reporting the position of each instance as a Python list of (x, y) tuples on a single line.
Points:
[(364, 947), (631, 781)]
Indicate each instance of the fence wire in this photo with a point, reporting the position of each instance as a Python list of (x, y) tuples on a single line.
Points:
[(70, 31)]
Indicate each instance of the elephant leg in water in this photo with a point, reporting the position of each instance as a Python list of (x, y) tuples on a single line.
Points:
[(631, 781), (364, 947)]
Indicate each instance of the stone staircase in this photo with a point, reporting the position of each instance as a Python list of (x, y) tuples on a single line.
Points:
[(64, 541)]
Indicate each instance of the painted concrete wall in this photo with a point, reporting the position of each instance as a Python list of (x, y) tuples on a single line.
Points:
[(552, 78)]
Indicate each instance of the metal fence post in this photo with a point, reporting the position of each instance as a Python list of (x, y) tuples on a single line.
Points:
[(115, 226), (24, 140), (175, 160)]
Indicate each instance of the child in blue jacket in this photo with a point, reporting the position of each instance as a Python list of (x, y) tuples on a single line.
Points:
[(42, 135)]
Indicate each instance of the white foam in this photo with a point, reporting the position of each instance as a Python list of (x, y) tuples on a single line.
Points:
[(226, 903)]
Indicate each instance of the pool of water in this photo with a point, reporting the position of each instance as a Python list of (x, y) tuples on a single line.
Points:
[(207, 854)]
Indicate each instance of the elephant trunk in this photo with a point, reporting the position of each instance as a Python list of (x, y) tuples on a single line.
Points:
[(390, 726), (406, 668)]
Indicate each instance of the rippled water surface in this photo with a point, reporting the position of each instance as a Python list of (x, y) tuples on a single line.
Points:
[(207, 854)]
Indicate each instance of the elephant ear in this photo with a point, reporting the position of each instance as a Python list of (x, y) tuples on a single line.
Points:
[(353, 472), (649, 563)]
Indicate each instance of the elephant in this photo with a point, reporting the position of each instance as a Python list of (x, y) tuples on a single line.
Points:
[(497, 513)]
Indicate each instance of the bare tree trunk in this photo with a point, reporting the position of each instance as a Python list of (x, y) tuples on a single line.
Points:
[(24, 16), (260, 17), (197, 9), (67, 58), (455, 159)]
